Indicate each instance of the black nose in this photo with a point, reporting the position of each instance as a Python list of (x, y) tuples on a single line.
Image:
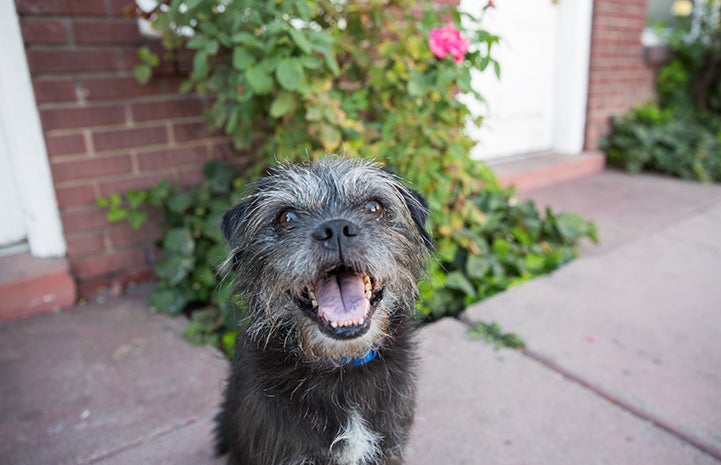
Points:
[(335, 234)]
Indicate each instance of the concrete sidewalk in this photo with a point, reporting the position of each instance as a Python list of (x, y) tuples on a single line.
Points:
[(623, 364)]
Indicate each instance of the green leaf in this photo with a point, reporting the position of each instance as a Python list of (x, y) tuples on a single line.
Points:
[(258, 80), (137, 218), (290, 74), (477, 266), (300, 40), (283, 104), (200, 65), (117, 214), (168, 300), (572, 227), (330, 137), (174, 269), (143, 73), (179, 241), (456, 280), (242, 59), (179, 202), (247, 39), (228, 342)]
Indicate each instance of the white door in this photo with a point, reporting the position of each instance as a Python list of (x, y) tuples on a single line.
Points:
[(12, 229), (540, 100)]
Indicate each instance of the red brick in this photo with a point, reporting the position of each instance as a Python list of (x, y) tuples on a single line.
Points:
[(184, 132), (134, 137), (84, 219), (82, 117), (65, 144), (94, 286), (118, 87), (225, 151), (84, 244), (68, 7), (191, 177), (181, 65), (60, 90), (75, 195), (111, 32), (129, 58), (122, 235), (172, 157), (100, 265), (131, 182), (167, 109), (43, 31), (90, 168), (64, 61)]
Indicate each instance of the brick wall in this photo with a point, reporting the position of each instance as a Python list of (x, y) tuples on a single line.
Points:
[(619, 76), (105, 133)]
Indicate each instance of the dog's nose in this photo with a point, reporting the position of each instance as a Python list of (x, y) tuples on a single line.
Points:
[(335, 234)]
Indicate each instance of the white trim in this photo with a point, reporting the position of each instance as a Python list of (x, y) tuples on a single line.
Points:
[(573, 52), (25, 142)]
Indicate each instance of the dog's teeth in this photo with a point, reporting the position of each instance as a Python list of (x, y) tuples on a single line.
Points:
[(333, 324), (314, 303), (311, 294)]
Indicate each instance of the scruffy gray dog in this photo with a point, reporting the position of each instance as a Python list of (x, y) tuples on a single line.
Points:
[(327, 257)]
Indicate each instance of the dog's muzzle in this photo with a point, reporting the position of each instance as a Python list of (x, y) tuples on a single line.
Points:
[(341, 300)]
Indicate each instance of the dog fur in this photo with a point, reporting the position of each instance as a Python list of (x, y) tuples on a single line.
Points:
[(301, 388)]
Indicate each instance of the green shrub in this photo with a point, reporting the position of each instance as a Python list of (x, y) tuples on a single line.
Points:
[(298, 79), (681, 135)]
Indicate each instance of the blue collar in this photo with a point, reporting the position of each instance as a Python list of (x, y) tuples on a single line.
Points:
[(355, 361), (358, 361)]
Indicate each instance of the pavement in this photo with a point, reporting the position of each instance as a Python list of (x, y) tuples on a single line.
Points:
[(622, 365)]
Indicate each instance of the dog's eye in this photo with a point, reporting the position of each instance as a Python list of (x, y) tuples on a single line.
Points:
[(373, 207), (287, 219)]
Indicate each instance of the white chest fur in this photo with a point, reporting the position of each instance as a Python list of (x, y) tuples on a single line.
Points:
[(356, 444)]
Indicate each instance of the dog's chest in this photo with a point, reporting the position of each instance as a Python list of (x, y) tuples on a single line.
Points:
[(356, 443)]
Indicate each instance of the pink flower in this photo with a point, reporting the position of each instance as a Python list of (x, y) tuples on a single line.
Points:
[(448, 40)]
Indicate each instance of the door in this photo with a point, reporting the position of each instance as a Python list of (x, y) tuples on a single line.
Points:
[(519, 114)]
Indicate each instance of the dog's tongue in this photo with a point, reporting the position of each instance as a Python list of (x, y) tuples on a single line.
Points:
[(342, 298)]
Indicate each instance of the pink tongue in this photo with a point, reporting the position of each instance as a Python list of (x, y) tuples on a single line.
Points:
[(341, 298)]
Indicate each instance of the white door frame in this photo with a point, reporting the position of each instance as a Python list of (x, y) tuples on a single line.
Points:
[(573, 52), (25, 143)]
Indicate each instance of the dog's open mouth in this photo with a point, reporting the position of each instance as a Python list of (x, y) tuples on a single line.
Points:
[(342, 302)]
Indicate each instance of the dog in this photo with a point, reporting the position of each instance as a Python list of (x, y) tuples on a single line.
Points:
[(327, 256)]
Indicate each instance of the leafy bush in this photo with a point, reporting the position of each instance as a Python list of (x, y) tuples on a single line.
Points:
[(295, 80), (681, 135)]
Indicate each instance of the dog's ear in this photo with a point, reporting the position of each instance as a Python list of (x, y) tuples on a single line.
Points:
[(231, 220), (418, 206)]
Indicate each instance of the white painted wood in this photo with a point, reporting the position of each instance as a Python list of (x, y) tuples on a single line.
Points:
[(12, 229), (572, 68), (24, 143), (539, 104)]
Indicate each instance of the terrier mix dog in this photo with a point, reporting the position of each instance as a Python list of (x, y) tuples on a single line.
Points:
[(327, 257)]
